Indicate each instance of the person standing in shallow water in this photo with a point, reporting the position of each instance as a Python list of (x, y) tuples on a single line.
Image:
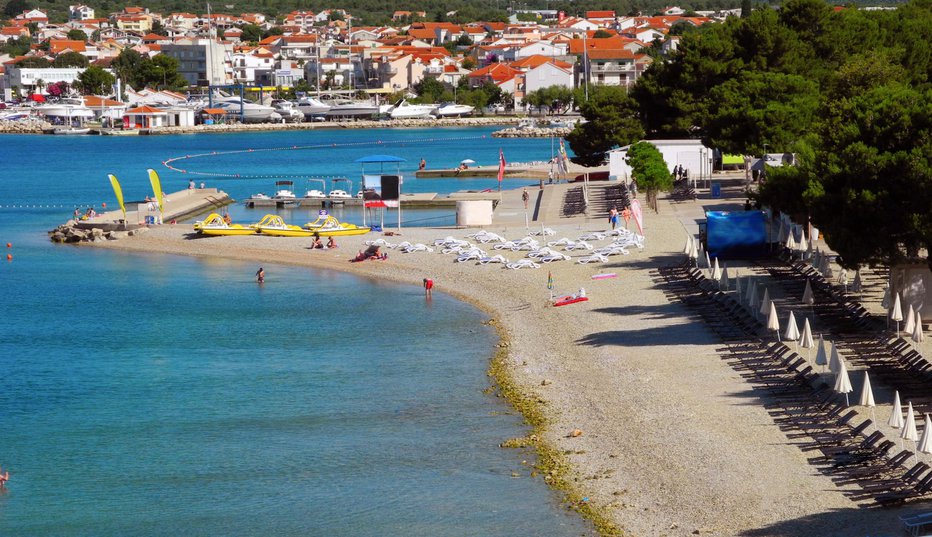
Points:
[(260, 275)]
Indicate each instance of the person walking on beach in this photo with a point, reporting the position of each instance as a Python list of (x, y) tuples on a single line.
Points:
[(260, 275), (525, 197), (613, 216)]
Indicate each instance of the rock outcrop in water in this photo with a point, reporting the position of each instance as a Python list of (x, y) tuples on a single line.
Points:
[(533, 132), (69, 232)]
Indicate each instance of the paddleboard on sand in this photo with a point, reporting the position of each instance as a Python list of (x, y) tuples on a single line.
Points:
[(604, 276)]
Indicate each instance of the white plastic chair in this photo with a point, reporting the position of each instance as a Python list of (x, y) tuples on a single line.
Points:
[(493, 259)]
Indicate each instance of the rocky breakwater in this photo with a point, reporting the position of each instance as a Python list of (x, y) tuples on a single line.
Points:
[(69, 232), (532, 132), (24, 126)]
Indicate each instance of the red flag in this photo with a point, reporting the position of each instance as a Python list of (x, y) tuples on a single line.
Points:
[(501, 165)]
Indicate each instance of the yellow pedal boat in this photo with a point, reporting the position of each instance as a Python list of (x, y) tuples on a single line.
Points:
[(277, 227), (215, 225), (329, 226)]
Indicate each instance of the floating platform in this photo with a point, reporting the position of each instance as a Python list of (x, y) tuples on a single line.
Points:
[(427, 200), (178, 206), (484, 172)]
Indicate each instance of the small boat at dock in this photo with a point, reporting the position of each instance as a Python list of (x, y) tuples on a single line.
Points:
[(274, 225), (328, 226)]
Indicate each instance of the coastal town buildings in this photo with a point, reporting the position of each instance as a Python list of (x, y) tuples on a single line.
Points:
[(325, 49)]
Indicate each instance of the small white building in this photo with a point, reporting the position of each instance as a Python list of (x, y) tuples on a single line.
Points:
[(692, 155)]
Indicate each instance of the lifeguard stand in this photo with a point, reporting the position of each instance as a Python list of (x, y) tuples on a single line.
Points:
[(381, 190)]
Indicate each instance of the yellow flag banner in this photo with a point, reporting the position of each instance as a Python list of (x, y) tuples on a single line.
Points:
[(119, 193), (157, 188)]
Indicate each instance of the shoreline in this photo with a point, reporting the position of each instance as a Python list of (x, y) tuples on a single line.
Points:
[(672, 441), (39, 126)]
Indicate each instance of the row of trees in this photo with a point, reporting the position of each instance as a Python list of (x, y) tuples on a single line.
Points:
[(847, 91)]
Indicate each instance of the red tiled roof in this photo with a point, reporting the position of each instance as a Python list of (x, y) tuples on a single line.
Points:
[(600, 14), (145, 109), (499, 72), (57, 46), (537, 60)]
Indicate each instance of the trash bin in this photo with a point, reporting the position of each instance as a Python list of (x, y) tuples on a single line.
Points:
[(150, 220), (716, 190)]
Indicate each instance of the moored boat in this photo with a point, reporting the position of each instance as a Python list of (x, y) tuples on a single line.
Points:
[(454, 110), (406, 110), (216, 225), (277, 227), (328, 226)]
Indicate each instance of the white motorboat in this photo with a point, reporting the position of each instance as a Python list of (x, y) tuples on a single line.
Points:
[(315, 194), (353, 109), (66, 109), (288, 111), (312, 108), (454, 110), (71, 130), (284, 195), (252, 112), (405, 110), (339, 196)]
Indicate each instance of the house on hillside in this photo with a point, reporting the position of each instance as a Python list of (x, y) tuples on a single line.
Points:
[(80, 12)]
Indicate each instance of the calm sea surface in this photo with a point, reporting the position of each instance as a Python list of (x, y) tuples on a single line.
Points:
[(159, 395)]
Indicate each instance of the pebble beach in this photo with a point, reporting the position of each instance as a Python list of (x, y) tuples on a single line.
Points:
[(661, 436)]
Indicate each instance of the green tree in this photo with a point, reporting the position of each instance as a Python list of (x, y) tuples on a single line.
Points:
[(612, 121), (70, 59), (95, 81), (77, 35), (429, 89), (16, 7), (602, 34), (649, 170), (252, 33), (34, 62), (758, 108), (16, 47), (872, 175)]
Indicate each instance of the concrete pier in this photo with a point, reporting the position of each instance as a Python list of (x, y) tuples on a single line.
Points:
[(177, 206)]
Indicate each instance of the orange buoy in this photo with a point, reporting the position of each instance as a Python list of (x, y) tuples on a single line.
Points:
[(104, 205), (9, 257), (9, 245)]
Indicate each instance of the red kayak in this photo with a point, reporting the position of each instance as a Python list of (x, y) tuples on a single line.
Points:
[(565, 300)]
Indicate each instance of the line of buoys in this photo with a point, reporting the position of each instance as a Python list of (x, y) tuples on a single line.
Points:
[(168, 162)]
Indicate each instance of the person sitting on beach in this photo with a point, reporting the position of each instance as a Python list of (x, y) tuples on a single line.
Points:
[(317, 243), (331, 243)]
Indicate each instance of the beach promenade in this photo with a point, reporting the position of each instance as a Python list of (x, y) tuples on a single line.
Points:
[(663, 437)]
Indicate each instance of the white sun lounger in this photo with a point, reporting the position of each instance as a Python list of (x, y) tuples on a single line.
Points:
[(611, 250), (594, 236), (471, 255), (546, 232), (485, 237), (417, 248), (554, 257), (380, 242), (593, 258), (562, 242), (542, 252), (522, 263), (401, 245), (579, 245), (493, 259)]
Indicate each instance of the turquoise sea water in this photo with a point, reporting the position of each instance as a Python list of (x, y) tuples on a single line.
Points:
[(161, 395)]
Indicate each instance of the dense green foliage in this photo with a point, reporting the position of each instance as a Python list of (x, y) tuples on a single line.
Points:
[(140, 71), (612, 121), (554, 98), (649, 170), (848, 91), (70, 59), (95, 81)]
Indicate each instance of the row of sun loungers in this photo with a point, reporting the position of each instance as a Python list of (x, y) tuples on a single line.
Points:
[(847, 448)]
